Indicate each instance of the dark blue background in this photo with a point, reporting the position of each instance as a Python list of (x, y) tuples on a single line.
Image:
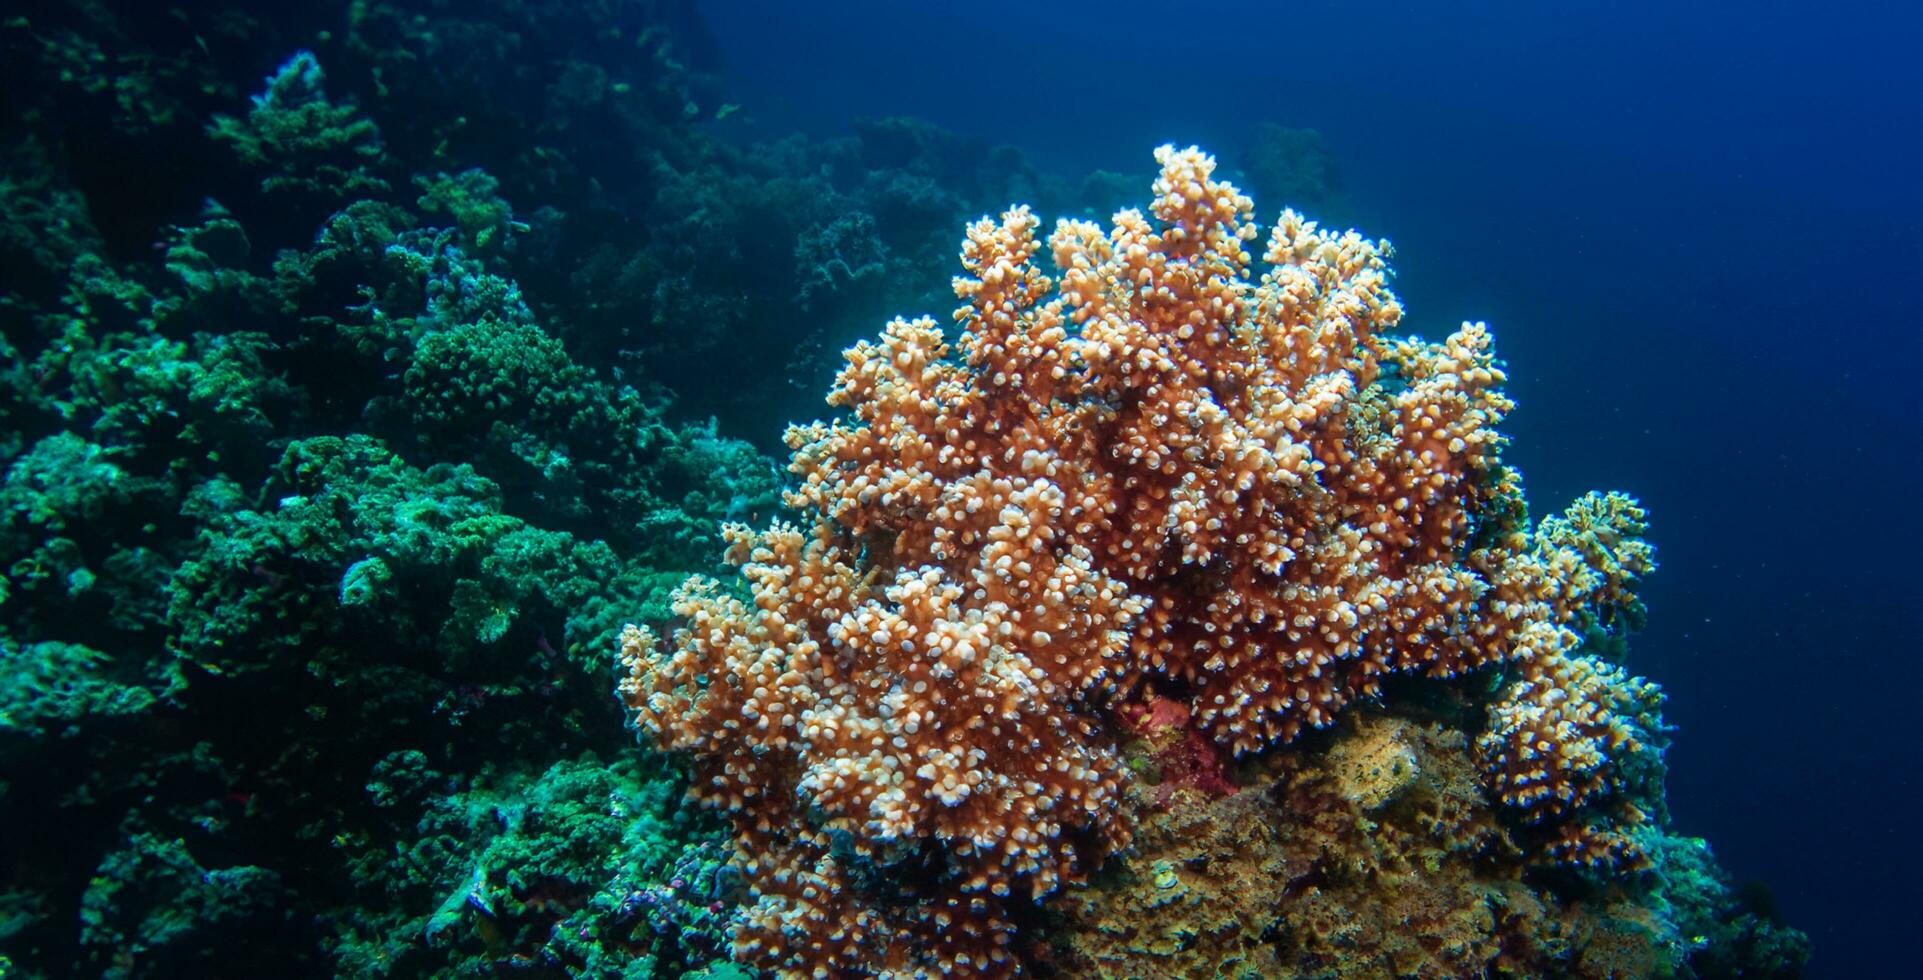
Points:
[(1695, 231)]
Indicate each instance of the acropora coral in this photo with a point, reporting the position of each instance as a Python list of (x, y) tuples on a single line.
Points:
[(1164, 471)]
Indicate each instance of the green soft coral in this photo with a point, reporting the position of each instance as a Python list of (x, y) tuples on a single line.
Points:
[(472, 198), (348, 525), (303, 140), (153, 909), (61, 688), (587, 867), (52, 493)]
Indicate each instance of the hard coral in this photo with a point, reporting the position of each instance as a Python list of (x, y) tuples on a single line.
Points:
[(855, 719), (1162, 475)]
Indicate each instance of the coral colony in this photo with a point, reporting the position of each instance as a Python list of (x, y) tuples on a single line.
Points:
[(1147, 471)]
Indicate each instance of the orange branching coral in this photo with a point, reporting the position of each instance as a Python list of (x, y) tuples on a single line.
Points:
[(1228, 449), (851, 710), (1554, 744), (1157, 472), (1557, 735)]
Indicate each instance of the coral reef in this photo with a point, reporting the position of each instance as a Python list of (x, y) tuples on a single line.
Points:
[(1163, 478), (312, 532), (337, 445)]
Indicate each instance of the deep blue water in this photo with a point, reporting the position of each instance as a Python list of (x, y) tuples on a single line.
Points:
[(1697, 233)]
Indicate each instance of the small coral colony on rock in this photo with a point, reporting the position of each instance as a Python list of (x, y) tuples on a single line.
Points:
[(1178, 593)]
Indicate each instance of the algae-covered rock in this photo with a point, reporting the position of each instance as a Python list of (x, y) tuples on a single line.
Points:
[(1373, 851)]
